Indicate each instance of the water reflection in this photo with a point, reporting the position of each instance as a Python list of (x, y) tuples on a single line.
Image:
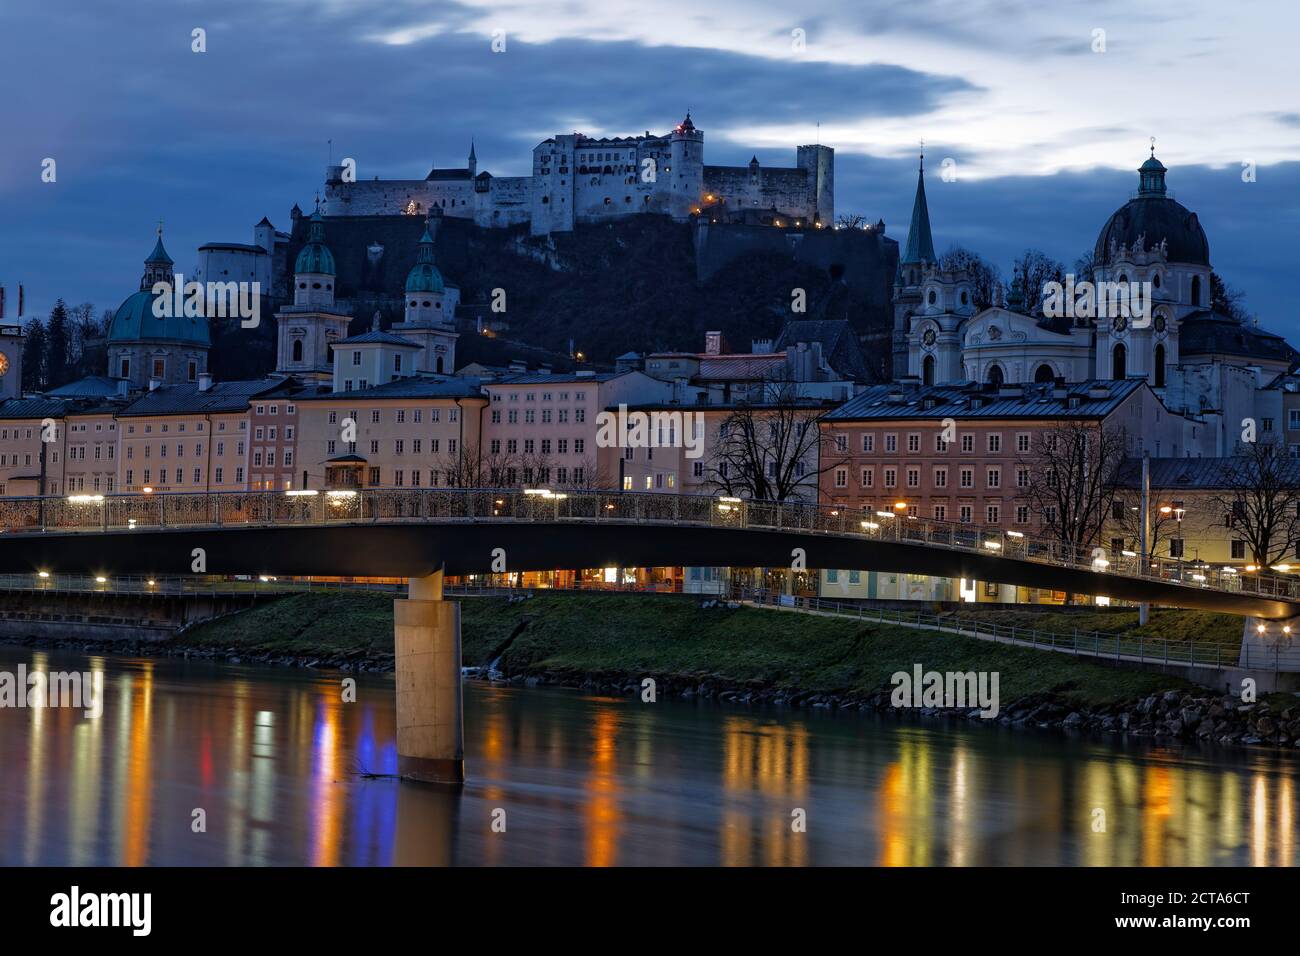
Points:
[(275, 760)]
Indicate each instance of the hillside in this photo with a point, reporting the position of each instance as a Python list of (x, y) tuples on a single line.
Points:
[(626, 285)]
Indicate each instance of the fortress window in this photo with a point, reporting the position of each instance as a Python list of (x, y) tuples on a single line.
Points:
[(315, 285), (413, 303), (608, 200), (302, 285), (546, 200), (425, 303), (1155, 280), (933, 297)]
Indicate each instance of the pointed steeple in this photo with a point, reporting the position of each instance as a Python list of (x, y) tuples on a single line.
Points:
[(158, 267), (920, 244), (472, 166)]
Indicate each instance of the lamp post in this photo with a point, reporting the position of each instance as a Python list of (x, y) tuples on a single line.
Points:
[(1144, 531)]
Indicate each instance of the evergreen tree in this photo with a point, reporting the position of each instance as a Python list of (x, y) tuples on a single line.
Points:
[(56, 346), (34, 356)]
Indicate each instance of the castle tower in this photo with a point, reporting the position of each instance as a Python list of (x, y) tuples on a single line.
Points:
[(309, 327), (819, 161), (472, 165), (686, 175), (916, 254)]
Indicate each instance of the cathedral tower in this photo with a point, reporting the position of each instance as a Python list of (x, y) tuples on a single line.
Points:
[(309, 327)]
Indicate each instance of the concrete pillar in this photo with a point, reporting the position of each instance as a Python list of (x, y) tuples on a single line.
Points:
[(430, 729)]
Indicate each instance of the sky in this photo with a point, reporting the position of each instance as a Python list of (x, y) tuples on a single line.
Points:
[(1041, 112)]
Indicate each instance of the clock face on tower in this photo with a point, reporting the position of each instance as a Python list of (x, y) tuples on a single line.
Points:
[(4, 363), (929, 337)]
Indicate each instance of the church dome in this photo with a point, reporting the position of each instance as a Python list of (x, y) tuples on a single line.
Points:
[(424, 275), (1153, 216), (135, 321), (315, 256)]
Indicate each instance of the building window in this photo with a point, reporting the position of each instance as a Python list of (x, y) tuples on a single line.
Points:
[(1238, 550)]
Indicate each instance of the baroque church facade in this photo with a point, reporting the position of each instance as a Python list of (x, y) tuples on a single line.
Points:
[(1198, 361)]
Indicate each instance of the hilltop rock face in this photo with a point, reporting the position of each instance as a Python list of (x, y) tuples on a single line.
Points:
[(636, 284)]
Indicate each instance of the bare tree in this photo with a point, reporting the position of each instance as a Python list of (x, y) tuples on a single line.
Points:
[(592, 476), (1259, 498), (1074, 479), (987, 280), (1162, 525), (850, 220), (772, 451), (1035, 269)]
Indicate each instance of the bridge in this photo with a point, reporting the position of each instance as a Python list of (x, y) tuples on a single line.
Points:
[(422, 533)]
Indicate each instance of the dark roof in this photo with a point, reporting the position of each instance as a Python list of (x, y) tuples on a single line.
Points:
[(240, 246), (555, 378), (1155, 218), (1206, 332), (92, 386), (839, 343), (376, 335), (186, 399), (346, 459), (809, 403), (416, 386), (1196, 473), (436, 173), (35, 408), (956, 401)]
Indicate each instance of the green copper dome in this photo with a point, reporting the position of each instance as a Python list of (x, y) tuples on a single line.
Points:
[(315, 256), (135, 321), (424, 275)]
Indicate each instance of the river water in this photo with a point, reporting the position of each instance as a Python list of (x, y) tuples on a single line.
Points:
[(274, 760)]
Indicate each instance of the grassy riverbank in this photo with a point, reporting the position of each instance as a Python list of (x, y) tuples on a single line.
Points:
[(630, 636)]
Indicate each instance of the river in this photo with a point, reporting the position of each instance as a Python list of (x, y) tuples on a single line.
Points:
[(197, 763)]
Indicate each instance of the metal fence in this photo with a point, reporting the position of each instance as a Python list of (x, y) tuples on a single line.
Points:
[(102, 513), (1283, 655)]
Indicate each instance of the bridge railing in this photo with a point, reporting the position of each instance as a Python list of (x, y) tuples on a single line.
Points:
[(126, 512)]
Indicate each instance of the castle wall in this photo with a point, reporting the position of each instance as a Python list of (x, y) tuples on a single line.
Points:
[(744, 187), (578, 179)]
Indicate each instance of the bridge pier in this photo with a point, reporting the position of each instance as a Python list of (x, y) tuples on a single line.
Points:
[(430, 728)]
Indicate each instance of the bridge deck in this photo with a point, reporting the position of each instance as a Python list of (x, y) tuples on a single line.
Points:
[(415, 531)]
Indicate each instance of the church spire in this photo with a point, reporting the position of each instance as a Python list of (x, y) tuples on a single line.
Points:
[(920, 244), (472, 166)]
